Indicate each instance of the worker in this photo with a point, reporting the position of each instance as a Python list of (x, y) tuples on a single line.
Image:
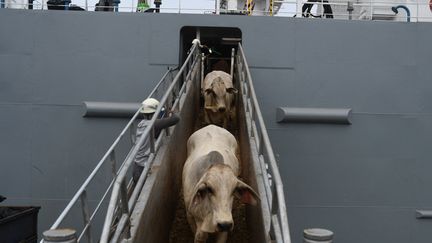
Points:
[(148, 109), (204, 49), (307, 8), (142, 6)]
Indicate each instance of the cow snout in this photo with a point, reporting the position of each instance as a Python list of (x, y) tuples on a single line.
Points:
[(224, 226), (222, 109)]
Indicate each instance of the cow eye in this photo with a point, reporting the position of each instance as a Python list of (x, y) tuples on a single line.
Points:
[(209, 190), (206, 190), (235, 191), (238, 191)]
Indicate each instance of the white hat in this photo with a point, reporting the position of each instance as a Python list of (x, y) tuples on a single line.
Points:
[(149, 106), (195, 41)]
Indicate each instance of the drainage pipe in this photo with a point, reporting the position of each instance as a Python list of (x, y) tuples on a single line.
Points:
[(313, 115), (395, 10)]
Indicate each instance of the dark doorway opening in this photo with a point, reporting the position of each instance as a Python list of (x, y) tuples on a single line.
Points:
[(220, 40)]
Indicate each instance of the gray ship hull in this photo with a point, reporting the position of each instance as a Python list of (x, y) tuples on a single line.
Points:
[(363, 181)]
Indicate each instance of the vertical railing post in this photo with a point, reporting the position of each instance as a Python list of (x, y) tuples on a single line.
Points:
[(232, 62), (185, 80), (190, 64), (179, 6), (125, 206), (116, 5), (275, 229), (261, 144), (271, 7), (86, 215), (184, 77), (133, 133), (66, 4), (168, 108), (198, 76), (113, 163), (275, 200), (202, 70), (252, 107), (322, 9), (152, 140), (253, 118)]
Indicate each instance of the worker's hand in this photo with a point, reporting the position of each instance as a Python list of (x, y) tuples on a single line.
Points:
[(172, 111)]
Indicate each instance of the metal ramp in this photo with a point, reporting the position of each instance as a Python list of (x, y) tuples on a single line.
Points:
[(141, 212)]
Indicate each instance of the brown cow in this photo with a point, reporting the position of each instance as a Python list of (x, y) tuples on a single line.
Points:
[(218, 93), (210, 182)]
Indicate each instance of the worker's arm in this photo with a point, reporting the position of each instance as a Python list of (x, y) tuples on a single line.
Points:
[(163, 123)]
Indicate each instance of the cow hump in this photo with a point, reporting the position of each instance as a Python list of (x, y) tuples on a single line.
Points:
[(205, 162)]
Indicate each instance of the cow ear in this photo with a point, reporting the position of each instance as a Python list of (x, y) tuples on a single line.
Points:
[(246, 194), (200, 192), (232, 90)]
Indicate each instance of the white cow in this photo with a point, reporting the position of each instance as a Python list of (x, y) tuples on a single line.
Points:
[(218, 93), (210, 182)]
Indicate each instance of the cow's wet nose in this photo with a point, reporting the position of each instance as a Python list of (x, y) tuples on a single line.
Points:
[(225, 226), (222, 109)]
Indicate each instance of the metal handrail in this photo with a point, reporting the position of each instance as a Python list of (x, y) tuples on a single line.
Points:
[(364, 6), (295, 10), (118, 192), (272, 179), (108, 156)]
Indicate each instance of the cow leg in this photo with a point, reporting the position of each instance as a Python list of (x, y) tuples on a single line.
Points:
[(206, 117), (200, 237), (232, 115), (222, 237), (191, 222), (225, 122)]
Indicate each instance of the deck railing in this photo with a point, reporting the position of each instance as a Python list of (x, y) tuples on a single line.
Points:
[(420, 11)]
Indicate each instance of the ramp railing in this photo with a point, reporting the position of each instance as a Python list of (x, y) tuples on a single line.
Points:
[(119, 198), (278, 223), (169, 92)]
